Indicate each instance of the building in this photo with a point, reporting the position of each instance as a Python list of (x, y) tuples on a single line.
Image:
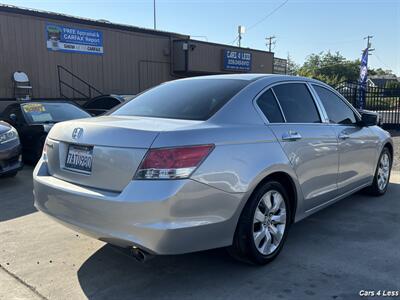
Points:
[(383, 80), (72, 57)]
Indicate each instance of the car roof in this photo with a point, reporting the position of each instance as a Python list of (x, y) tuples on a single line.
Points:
[(19, 103), (239, 76), (44, 101), (254, 77)]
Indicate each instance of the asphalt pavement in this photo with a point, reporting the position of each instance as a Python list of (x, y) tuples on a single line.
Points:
[(349, 247)]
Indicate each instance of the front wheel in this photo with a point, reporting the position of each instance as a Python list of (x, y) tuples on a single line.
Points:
[(382, 174), (263, 225)]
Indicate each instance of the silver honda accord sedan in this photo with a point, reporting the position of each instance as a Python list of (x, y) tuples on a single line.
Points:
[(214, 161)]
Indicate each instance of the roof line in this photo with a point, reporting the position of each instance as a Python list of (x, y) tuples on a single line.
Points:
[(85, 21), (230, 46)]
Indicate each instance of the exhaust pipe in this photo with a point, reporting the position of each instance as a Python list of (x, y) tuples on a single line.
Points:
[(140, 255)]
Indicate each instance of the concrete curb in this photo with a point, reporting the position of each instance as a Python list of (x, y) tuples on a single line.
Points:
[(395, 176)]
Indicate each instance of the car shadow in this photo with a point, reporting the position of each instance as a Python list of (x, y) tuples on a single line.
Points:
[(16, 198), (326, 256)]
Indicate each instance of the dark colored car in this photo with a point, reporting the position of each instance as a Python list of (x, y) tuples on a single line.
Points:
[(10, 150), (34, 119), (102, 104)]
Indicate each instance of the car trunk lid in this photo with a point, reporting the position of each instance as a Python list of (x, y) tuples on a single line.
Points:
[(115, 146)]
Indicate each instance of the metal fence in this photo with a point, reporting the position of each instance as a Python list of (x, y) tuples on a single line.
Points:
[(385, 101)]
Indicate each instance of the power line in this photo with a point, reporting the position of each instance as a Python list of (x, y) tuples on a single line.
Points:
[(380, 60), (268, 15), (263, 19), (234, 40)]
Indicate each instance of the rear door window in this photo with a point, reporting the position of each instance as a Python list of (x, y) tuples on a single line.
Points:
[(195, 99), (270, 108), (338, 111), (297, 103)]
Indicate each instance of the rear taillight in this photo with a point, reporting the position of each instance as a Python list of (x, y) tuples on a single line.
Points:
[(172, 163)]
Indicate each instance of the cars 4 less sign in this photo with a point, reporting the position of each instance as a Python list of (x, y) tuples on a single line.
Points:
[(236, 60)]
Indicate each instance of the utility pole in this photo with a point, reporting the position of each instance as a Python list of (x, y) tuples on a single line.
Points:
[(368, 38), (241, 31), (154, 14), (362, 94), (270, 42)]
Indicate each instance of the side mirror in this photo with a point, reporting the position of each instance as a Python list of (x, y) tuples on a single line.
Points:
[(369, 118), (13, 118)]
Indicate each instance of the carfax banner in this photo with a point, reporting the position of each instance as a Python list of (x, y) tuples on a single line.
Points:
[(68, 39), (236, 60)]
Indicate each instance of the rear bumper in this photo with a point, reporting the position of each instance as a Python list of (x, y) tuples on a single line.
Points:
[(162, 217), (10, 157)]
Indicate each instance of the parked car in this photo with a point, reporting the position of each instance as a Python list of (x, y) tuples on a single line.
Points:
[(34, 119), (102, 104), (232, 160), (10, 151)]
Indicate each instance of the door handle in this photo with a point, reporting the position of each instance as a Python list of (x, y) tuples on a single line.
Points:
[(291, 136), (343, 136)]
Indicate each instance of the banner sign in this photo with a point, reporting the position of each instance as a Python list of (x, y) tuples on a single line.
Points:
[(363, 79), (68, 39), (236, 60), (280, 66)]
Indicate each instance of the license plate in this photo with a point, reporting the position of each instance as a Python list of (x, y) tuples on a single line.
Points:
[(79, 158)]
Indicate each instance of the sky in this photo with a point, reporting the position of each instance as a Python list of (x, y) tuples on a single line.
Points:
[(301, 27)]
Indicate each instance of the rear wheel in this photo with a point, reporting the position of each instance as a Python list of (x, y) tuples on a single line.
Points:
[(263, 225), (382, 174)]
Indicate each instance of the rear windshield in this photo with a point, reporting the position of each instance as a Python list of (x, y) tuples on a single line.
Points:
[(183, 99), (36, 112)]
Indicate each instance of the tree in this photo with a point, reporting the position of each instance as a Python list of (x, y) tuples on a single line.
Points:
[(292, 67), (330, 68), (380, 72)]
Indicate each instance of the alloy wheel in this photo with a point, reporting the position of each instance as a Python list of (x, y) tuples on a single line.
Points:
[(269, 222), (383, 171)]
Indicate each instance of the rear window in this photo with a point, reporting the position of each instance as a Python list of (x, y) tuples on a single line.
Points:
[(183, 99)]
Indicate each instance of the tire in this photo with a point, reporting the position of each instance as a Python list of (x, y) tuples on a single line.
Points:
[(383, 169), (259, 238)]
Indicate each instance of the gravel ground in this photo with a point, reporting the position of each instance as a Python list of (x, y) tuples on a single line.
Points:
[(396, 140)]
